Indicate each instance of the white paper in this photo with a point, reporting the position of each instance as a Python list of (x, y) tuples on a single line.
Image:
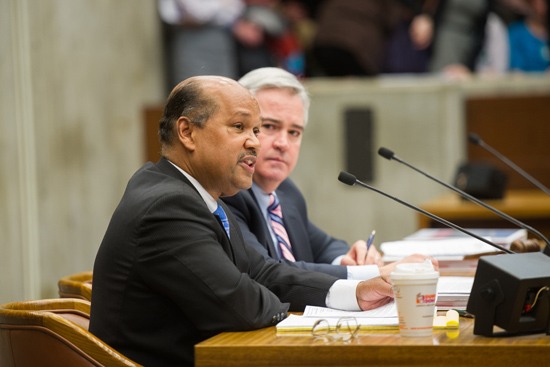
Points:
[(389, 310), (448, 249), (455, 285), (299, 324)]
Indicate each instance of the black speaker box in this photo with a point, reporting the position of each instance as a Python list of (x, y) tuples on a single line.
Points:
[(482, 181), (511, 291)]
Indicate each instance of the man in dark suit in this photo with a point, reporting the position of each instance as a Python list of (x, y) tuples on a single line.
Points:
[(284, 107), (173, 268)]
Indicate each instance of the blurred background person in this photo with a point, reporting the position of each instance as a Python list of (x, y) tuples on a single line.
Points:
[(460, 31), (352, 34), (230, 37), (370, 37), (302, 18), (529, 39), (275, 41), (471, 36), (199, 39), (408, 49)]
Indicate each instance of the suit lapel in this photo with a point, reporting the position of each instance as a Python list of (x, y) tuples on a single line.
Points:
[(165, 166), (236, 244)]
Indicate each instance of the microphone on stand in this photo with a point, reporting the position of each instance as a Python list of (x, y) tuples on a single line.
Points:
[(388, 154), (351, 180), (475, 139), (503, 286)]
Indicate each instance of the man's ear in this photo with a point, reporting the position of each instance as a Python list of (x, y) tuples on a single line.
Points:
[(185, 132)]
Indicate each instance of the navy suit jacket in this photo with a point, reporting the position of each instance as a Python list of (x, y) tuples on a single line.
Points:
[(313, 249), (166, 275)]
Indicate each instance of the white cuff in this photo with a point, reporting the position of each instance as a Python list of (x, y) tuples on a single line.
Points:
[(338, 260), (363, 272), (343, 295)]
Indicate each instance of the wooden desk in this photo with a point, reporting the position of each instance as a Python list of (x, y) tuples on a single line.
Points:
[(379, 348), (529, 206)]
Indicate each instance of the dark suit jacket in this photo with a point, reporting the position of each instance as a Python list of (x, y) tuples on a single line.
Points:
[(167, 277), (313, 249)]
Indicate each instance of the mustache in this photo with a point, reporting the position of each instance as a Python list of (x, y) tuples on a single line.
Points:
[(251, 152)]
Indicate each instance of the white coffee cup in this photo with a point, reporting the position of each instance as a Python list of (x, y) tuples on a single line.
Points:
[(415, 293)]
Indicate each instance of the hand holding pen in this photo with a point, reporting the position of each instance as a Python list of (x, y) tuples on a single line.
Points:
[(363, 253), (373, 256)]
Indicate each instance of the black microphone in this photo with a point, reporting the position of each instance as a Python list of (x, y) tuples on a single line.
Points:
[(388, 154), (475, 139), (351, 180)]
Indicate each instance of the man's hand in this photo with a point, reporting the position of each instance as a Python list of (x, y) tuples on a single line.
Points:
[(416, 258), (356, 255), (374, 293)]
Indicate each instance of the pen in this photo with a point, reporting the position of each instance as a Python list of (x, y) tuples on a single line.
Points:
[(369, 242)]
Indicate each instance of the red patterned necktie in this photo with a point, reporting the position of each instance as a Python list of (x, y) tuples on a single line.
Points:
[(276, 218)]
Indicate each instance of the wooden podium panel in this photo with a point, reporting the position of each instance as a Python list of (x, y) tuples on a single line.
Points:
[(378, 348), (517, 127), (152, 116)]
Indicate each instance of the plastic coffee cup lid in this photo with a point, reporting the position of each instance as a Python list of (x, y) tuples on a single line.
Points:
[(415, 271)]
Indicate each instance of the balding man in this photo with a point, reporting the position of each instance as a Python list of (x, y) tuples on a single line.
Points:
[(173, 268)]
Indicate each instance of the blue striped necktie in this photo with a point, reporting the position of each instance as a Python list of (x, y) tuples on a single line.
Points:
[(276, 218), (220, 213)]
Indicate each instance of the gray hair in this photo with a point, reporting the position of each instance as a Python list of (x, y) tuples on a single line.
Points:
[(269, 78)]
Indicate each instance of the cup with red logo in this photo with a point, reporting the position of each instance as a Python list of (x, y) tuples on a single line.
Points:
[(415, 293)]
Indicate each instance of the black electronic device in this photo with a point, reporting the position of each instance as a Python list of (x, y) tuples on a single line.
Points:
[(513, 293), (481, 180)]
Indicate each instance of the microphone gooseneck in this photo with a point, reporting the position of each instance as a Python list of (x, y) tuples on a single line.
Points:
[(475, 200), (350, 179), (475, 139)]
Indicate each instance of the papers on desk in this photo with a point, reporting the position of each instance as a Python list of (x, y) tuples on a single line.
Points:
[(381, 318), (501, 236), (452, 293), (302, 325), (449, 244), (448, 249), (388, 310)]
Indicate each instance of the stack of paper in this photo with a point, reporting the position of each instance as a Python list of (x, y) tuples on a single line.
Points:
[(449, 244), (501, 236), (384, 317), (453, 292), (449, 249)]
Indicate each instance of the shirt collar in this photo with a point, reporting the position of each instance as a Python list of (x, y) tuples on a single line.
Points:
[(208, 199), (261, 197)]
